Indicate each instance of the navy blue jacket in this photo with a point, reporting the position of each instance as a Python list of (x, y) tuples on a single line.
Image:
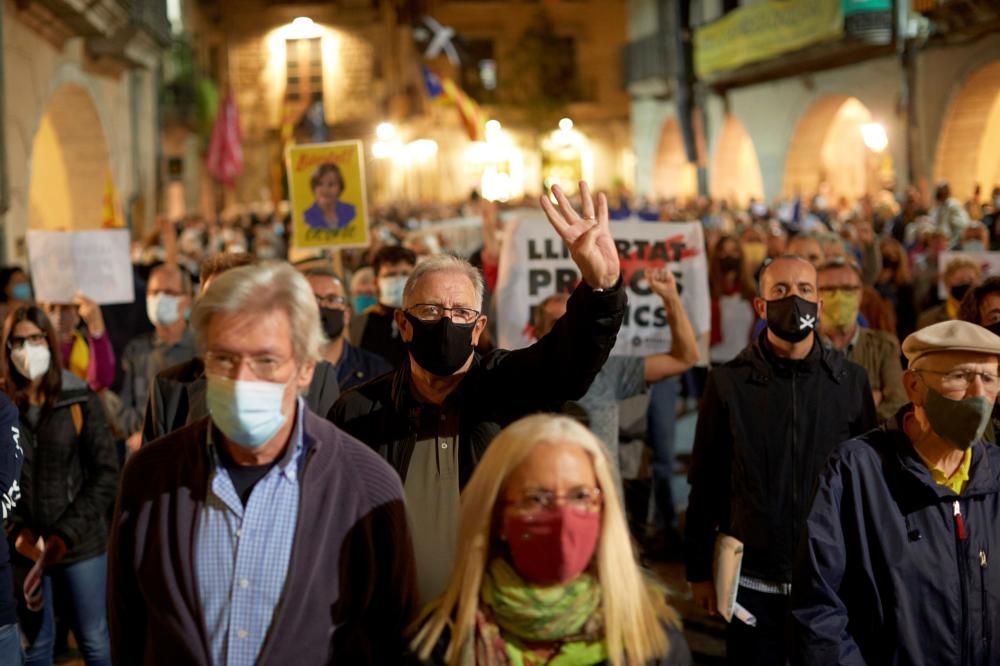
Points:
[(883, 575), (11, 459)]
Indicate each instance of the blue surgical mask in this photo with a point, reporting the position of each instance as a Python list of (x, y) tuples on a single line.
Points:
[(391, 290), (162, 309), (363, 302), (247, 412), (22, 292)]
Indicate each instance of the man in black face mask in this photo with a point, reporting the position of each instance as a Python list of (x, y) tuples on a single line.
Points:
[(352, 365), (768, 421), (896, 564), (433, 418), (982, 306)]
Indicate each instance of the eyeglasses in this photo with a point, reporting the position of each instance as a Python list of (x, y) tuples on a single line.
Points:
[(331, 302), (959, 380), (429, 312), (263, 367), (33, 340), (581, 498)]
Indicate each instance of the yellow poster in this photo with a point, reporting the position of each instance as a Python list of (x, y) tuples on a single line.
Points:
[(764, 30), (326, 184)]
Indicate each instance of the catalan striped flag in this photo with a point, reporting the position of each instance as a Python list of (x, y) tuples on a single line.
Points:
[(443, 89)]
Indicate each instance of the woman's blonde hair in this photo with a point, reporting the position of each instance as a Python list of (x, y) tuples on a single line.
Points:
[(633, 609)]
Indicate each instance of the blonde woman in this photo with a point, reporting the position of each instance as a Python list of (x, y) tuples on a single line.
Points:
[(546, 574)]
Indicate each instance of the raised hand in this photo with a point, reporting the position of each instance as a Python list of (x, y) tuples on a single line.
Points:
[(664, 284), (588, 237)]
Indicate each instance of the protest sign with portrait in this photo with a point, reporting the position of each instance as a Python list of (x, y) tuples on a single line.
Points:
[(326, 184)]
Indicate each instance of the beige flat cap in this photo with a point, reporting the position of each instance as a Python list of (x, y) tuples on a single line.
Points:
[(950, 336)]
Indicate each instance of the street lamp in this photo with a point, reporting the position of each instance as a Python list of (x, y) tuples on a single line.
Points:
[(874, 137)]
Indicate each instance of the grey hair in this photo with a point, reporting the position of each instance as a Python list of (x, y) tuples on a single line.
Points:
[(445, 263), (263, 287)]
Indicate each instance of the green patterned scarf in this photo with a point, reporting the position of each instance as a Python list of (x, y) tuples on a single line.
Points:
[(517, 614)]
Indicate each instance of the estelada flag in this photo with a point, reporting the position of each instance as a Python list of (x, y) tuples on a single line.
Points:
[(225, 152), (111, 210), (442, 89)]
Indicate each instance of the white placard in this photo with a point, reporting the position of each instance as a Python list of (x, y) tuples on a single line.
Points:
[(94, 263), (989, 263), (535, 263)]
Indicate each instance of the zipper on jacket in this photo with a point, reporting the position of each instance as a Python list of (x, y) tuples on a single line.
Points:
[(985, 610), (963, 577), (795, 471)]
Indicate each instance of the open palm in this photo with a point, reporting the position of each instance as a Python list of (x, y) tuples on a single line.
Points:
[(588, 236)]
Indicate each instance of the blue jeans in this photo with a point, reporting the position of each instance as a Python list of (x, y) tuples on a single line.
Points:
[(85, 584), (10, 645), (661, 422)]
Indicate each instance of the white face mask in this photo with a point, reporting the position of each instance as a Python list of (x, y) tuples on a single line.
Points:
[(390, 290), (247, 412), (162, 309), (32, 361)]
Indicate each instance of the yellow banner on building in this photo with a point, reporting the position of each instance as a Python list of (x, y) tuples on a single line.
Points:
[(326, 185), (764, 30)]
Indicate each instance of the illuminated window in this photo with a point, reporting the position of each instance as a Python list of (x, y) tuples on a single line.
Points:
[(303, 71)]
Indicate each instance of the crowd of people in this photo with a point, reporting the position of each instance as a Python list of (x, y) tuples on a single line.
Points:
[(269, 462)]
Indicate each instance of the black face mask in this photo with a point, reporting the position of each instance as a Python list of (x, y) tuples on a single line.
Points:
[(729, 264), (333, 322), (891, 264), (994, 328), (791, 318), (959, 291), (440, 347)]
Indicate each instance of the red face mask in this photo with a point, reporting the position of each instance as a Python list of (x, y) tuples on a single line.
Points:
[(553, 547)]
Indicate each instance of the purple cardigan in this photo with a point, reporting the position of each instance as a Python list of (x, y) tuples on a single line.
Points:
[(350, 591)]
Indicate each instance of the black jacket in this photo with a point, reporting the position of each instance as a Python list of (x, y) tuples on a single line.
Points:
[(765, 430), (177, 397), (883, 576), (70, 477), (498, 389)]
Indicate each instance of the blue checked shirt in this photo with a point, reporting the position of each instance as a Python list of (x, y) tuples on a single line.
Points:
[(242, 554)]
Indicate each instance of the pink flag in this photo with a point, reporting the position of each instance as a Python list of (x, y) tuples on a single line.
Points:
[(225, 154)]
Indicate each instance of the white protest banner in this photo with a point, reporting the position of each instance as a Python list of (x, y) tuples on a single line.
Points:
[(989, 263), (95, 263), (535, 264)]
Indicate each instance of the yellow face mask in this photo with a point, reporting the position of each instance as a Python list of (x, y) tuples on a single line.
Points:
[(840, 308), (754, 254)]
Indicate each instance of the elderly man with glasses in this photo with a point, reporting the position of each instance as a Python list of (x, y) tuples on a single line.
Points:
[(895, 566), (433, 417), (261, 534)]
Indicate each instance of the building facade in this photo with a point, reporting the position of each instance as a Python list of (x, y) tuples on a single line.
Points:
[(79, 114), (356, 70), (784, 105)]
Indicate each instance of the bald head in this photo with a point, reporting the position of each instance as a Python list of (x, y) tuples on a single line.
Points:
[(787, 276)]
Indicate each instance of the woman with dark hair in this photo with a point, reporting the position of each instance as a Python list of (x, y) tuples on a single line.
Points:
[(732, 297), (981, 305), (895, 285), (68, 485), (15, 287), (329, 212)]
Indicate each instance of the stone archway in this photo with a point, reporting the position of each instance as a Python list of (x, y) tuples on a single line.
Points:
[(828, 151), (966, 151), (69, 163), (736, 175), (673, 175)]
